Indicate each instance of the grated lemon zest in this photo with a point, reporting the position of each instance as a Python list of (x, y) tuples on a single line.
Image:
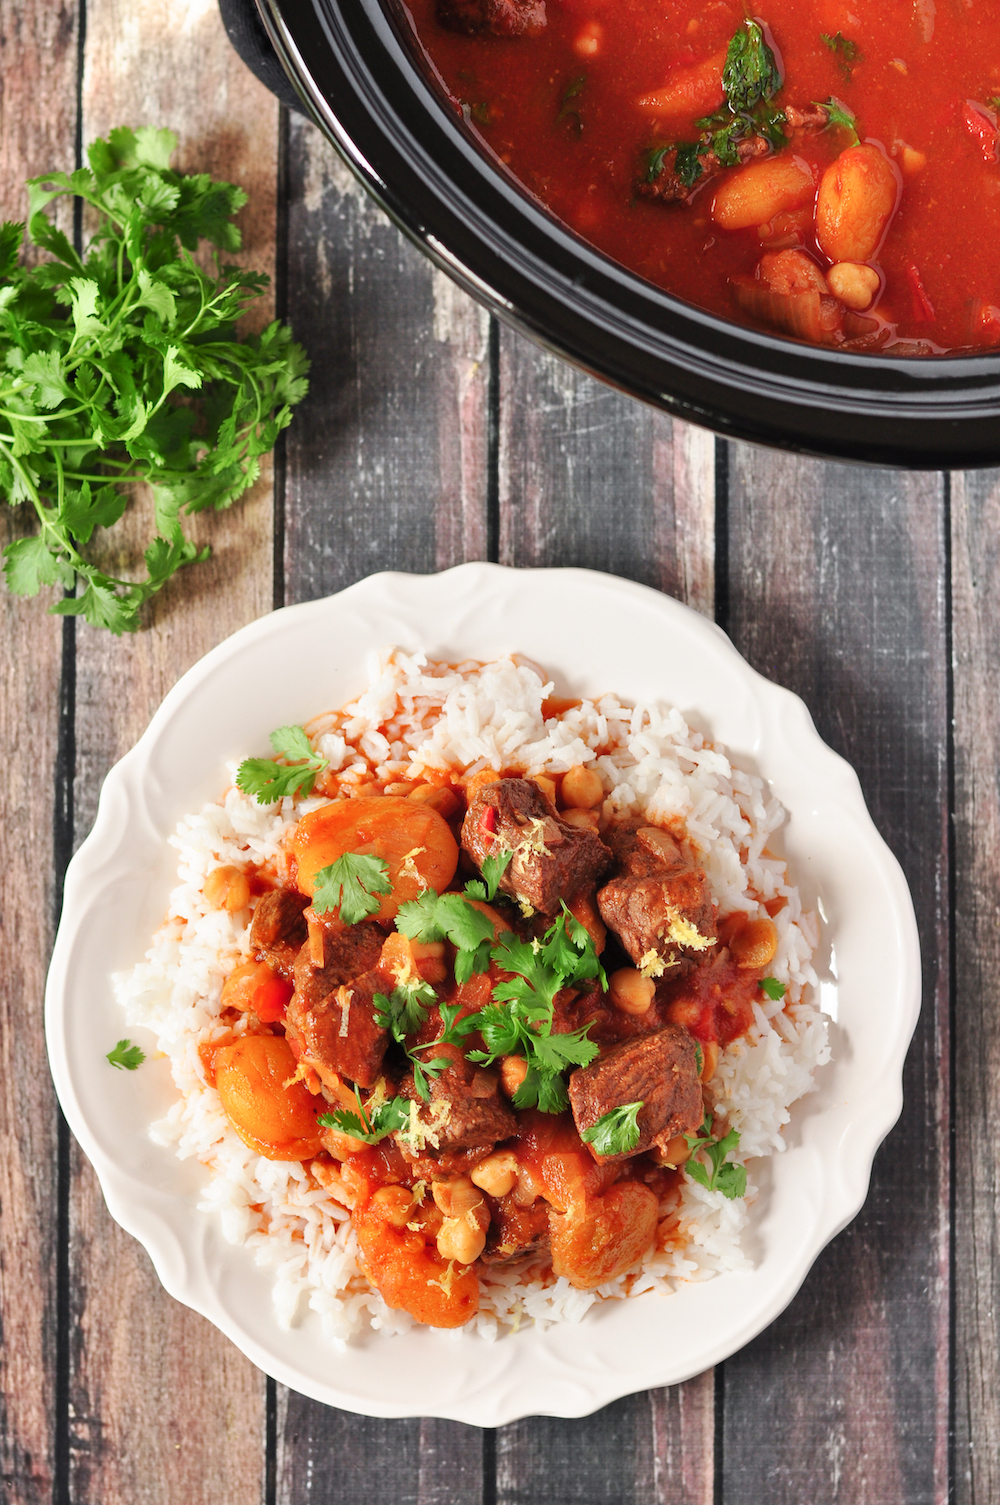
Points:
[(683, 933), (418, 1133), (408, 867), (447, 1280), (651, 964)]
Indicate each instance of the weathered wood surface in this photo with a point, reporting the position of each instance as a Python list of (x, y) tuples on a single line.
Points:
[(37, 124), (837, 589), (433, 436), (975, 580), (161, 1407)]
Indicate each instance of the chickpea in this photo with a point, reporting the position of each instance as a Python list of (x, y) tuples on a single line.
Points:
[(546, 785), (461, 1242), (630, 991), (911, 160), (457, 1196), (674, 1152), (394, 1204), (754, 194), (587, 820), (854, 284), (497, 1174), (755, 945), (227, 888), (582, 788), (587, 42), (513, 1070)]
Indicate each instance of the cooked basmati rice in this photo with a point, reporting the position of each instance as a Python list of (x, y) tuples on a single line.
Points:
[(417, 716)]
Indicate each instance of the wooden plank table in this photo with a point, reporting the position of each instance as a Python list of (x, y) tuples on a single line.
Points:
[(432, 436)]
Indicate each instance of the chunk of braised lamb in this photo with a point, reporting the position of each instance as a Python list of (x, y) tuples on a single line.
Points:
[(347, 952), (515, 1231), (339, 1036), (465, 1110), (278, 930), (660, 907), (658, 1070), (500, 18), (552, 860)]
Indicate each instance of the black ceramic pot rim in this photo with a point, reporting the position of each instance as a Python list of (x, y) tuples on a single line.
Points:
[(364, 86)]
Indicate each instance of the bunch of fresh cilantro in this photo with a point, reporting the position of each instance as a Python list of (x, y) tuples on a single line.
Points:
[(123, 366)]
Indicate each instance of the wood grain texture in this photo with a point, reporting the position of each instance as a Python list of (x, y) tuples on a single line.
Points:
[(387, 465), (386, 469), (591, 478), (976, 636), (836, 590), (38, 45), (162, 1407), (328, 1457)]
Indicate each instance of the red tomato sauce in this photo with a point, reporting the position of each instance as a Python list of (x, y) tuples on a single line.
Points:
[(559, 107)]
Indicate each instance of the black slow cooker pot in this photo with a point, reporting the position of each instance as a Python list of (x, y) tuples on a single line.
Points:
[(358, 71)]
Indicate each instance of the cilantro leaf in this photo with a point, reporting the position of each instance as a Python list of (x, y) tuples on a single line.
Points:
[(519, 1019), (434, 917), (404, 1011), (751, 75), (750, 80), (840, 117), (126, 1056), (370, 1126), (350, 885), (124, 370), (567, 110), (844, 50), (269, 781), (724, 1176), (773, 988), (492, 870), (615, 1132)]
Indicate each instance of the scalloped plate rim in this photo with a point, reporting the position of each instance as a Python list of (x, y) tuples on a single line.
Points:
[(141, 1216)]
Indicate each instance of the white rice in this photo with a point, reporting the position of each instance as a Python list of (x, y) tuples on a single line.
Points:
[(414, 716)]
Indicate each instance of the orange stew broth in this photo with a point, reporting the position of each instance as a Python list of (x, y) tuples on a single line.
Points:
[(566, 121)]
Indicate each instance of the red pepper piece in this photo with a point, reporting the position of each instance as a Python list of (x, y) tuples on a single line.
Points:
[(923, 308), (488, 820), (271, 997), (981, 124)]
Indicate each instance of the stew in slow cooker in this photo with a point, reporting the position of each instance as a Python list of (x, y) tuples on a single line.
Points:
[(829, 169)]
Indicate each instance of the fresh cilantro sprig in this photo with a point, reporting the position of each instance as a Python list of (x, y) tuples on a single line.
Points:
[(730, 1179), (615, 1132), (750, 80), (269, 781), (350, 885), (492, 870), (846, 52), (450, 917), (402, 1013), (519, 1020), (773, 988), (126, 1056), (121, 366), (370, 1125), (840, 118)]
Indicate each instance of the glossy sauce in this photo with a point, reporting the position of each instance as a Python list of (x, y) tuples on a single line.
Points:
[(567, 124)]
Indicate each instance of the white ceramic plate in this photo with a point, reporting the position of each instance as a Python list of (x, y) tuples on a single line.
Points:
[(593, 633)]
